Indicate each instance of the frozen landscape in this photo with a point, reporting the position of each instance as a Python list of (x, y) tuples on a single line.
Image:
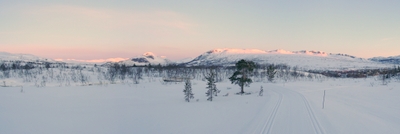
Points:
[(352, 106), (199, 67), (56, 97)]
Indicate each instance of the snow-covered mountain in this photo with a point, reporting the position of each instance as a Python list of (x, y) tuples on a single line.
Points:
[(306, 60), (184, 60), (145, 59), (314, 60), (90, 62), (387, 60), (9, 57)]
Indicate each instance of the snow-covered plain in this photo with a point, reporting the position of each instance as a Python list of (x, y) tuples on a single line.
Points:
[(360, 106)]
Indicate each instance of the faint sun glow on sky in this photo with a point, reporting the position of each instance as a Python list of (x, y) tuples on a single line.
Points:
[(98, 30)]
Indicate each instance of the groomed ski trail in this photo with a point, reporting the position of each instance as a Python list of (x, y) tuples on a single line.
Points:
[(269, 124), (293, 114), (317, 126)]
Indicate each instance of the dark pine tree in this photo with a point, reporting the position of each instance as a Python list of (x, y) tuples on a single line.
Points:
[(241, 77), (188, 90), (271, 73), (212, 88)]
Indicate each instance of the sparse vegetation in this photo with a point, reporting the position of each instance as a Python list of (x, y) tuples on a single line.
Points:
[(188, 90), (212, 88)]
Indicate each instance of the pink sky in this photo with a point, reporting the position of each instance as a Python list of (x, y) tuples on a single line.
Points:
[(95, 30)]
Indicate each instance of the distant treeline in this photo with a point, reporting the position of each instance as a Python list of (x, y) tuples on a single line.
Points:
[(360, 73)]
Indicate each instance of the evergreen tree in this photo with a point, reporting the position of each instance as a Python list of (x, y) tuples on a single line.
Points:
[(244, 70), (212, 88), (398, 69), (271, 73), (3, 67), (188, 90), (261, 91)]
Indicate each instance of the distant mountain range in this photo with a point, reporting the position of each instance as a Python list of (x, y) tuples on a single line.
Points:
[(4, 56), (315, 60), (306, 60), (146, 59)]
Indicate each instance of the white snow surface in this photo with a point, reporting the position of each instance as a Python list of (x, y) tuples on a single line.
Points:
[(306, 60), (361, 106)]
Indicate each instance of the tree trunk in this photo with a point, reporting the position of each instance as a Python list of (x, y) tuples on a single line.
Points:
[(242, 92), (211, 95)]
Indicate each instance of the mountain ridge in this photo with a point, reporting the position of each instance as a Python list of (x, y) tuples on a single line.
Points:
[(316, 60), (388, 60), (146, 59), (5, 56), (306, 59)]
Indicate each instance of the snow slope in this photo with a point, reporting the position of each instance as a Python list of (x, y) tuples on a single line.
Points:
[(389, 60), (352, 106), (96, 61), (314, 60), (305, 60), (4, 56)]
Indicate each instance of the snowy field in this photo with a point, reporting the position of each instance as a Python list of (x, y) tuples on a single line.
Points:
[(362, 106)]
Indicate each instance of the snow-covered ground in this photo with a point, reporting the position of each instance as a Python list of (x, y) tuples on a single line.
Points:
[(352, 106)]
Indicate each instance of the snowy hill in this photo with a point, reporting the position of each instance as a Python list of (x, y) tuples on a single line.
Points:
[(184, 60), (305, 60), (89, 62), (314, 60), (4, 56), (388, 60), (145, 59)]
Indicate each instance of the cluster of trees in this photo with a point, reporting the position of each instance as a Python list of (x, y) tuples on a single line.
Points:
[(388, 74), (360, 73), (393, 72), (212, 90), (113, 72), (16, 65), (67, 75), (41, 73), (242, 77), (243, 73)]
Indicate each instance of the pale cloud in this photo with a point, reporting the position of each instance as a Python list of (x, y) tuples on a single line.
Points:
[(118, 19), (387, 39), (69, 10)]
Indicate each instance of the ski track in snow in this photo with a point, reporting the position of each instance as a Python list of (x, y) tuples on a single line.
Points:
[(294, 108), (317, 126), (269, 123)]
